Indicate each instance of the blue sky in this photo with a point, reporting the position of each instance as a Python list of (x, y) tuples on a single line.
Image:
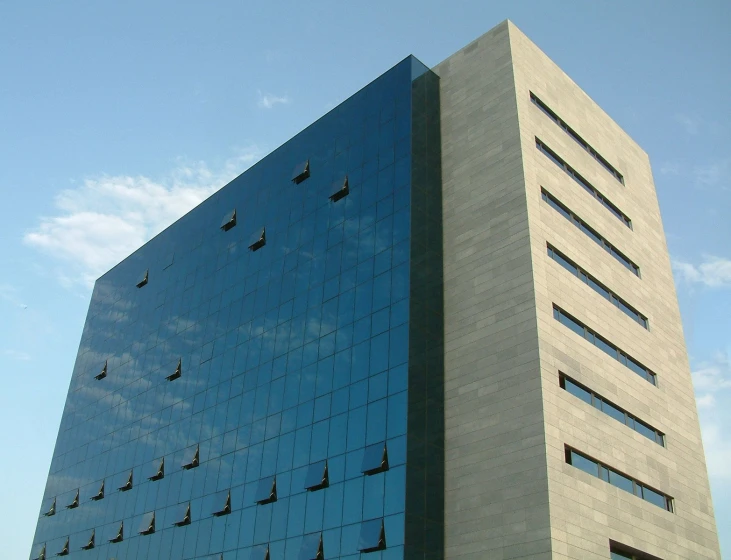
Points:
[(116, 118)]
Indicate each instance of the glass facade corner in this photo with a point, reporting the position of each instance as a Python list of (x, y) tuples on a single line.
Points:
[(261, 366)]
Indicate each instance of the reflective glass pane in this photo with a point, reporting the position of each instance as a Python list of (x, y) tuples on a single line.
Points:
[(316, 476), (598, 288), (577, 391), (372, 536), (266, 490), (613, 411), (654, 497), (311, 548), (574, 325), (638, 368), (375, 459), (584, 463), (260, 553), (147, 524), (645, 430), (620, 481), (606, 347)]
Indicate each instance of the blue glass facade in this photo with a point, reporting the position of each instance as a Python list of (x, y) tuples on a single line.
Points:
[(266, 375)]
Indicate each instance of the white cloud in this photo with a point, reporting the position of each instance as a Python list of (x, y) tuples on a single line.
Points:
[(108, 217), (267, 100), (706, 401), (713, 375), (717, 446), (712, 383), (714, 272), (10, 294)]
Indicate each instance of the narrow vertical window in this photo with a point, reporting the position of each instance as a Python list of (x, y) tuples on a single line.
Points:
[(301, 172), (147, 524), (103, 373), (91, 542), (372, 536), (143, 278), (178, 371), (127, 485), (65, 550)]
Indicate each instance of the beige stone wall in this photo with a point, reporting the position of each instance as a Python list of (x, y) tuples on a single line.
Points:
[(507, 419)]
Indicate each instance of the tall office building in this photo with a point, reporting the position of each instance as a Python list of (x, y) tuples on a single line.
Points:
[(440, 322)]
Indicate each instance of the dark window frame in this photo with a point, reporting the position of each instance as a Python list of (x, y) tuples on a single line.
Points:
[(590, 232), (587, 278), (584, 183), (603, 473), (577, 138), (597, 401), (621, 356)]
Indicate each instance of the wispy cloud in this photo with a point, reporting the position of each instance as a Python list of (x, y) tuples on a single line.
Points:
[(712, 383), (690, 124), (16, 355), (268, 101), (712, 376), (9, 294), (714, 272), (107, 217)]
